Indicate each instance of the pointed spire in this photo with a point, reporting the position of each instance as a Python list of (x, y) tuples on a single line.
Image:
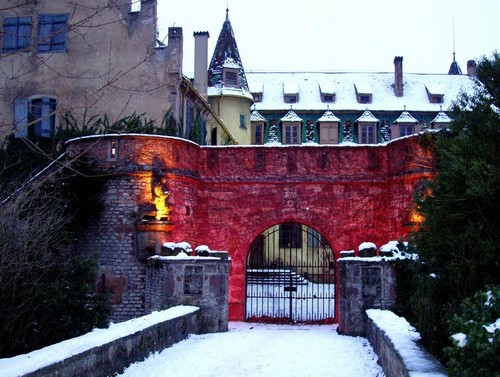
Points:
[(226, 52)]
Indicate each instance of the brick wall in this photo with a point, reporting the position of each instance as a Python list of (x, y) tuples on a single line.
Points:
[(225, 197)]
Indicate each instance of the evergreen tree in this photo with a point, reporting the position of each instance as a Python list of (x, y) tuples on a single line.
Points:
[(459, 240)]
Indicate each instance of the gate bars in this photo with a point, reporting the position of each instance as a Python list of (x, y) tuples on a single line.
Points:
[(290, 276)]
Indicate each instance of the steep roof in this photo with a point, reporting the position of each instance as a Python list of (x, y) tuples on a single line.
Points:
[(454, 67), (226, 54), (415, 97)]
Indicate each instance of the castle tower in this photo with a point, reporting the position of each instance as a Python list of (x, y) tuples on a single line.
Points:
[(228, 91)]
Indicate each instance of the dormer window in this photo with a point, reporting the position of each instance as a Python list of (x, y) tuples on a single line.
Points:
[(363, 92), (231, 77), (367, 128), (257, 97), (434, 93), (327, 92), (292, 130), (291, 92)]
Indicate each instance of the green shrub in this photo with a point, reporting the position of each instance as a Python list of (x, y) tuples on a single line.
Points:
[(475, 332)]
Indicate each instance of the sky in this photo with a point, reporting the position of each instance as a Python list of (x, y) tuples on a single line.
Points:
[(341, 35)]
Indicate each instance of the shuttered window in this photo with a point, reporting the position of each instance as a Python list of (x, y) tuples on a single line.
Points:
[(16, 33), (52, 32), (35, 117)]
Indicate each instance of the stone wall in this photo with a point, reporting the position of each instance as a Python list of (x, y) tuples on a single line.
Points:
[(114, 356), (398, 350), (197, 281), (363, 283)]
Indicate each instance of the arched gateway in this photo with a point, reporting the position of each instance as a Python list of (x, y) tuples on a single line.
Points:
[(290, 276), (168, 189)]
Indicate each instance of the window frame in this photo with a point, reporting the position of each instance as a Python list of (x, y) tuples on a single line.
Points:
[(257, 137), (290, 235), (367, 134), (15, 39), (35, 117), (406, 130), (52, 33), (292, 134), (231, 77), (243, 121)]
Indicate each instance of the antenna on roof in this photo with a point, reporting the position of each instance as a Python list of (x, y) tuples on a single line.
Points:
[(227, 9), (453, 38)]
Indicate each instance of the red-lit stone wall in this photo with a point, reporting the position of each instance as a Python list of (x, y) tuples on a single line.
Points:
[(225, 197)]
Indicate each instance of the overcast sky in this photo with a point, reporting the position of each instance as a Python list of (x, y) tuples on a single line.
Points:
[(342, 35)]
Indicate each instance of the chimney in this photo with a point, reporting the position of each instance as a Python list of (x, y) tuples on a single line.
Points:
[(398, 76), (471, 67), (201, 61)]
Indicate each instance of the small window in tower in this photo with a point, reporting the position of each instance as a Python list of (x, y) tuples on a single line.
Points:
[(243, 121), (231, 78)]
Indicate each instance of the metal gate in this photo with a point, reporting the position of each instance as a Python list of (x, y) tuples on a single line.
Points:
[(290, 276)]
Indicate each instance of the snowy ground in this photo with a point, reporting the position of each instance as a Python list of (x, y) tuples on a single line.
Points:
[(253, 349)]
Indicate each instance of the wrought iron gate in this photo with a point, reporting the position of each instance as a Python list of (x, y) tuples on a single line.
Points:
[(290, 276)]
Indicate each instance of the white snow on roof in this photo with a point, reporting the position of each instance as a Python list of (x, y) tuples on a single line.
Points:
[(256, 117), (291, 117), (405, 117), (442, 117), (367, 117), (230, 63), (327, 87), (328, 116), (256, 87), (363, 88), (415, 96), (291, 87), (434, 89)]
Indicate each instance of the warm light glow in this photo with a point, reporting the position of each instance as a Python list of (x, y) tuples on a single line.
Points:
[(160, 201), (416, 217)]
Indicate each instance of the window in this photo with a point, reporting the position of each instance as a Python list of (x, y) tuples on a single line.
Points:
[(367, 134), (52, 31), (314, 238), (135, 6), (257, 97), (436, 99), (35, 117), (291, 133), (405, 130), (231, 77), (364, 98), (113, 150), (328, 98), (258, 133), (243, 121), (16, 33), (328, 133), (291, 235), (290, 98)]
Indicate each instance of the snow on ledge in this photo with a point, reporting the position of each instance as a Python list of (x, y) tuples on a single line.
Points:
[(404, 337), (35, 360)]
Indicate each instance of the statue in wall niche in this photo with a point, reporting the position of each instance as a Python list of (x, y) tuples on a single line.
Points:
[(160, 195), (159, 209)]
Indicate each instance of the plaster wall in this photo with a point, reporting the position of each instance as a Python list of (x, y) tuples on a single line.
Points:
[(111, 64)]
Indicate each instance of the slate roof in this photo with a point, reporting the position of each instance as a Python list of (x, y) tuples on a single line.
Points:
[(226, 53), (309, 84)]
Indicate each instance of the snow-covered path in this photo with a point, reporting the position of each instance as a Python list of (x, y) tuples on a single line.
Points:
[(252, 349)]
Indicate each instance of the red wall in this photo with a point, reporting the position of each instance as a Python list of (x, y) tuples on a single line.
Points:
[(225, 197)]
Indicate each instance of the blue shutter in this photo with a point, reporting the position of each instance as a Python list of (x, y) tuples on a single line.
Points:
[(21, 117), (47, 121), (24, 32), (52, 32), (44, 33), (9, 34)]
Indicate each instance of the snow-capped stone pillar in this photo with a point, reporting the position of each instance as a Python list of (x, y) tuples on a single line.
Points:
[(363, 283)]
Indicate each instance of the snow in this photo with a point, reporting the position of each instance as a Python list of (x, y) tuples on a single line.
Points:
[(254, 349), (415, 96), (460, 338), (367, 116), (404, 337), (366, 245), (27, 363), (492, 327)]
